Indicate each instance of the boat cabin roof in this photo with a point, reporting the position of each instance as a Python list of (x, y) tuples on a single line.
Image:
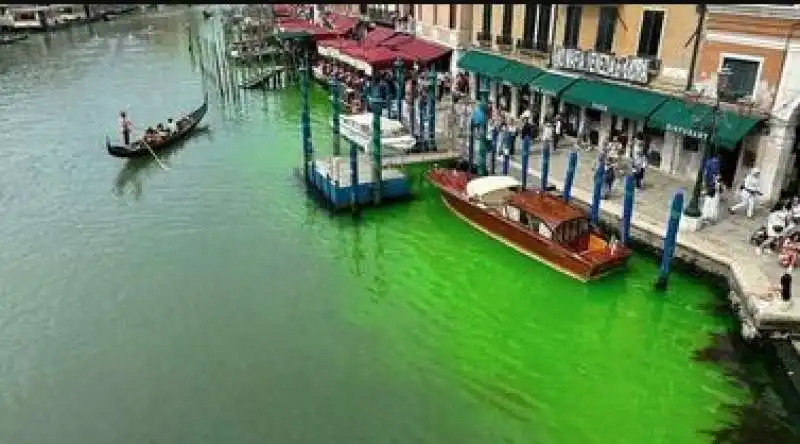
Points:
[(551, 210), (480, 187), (387, 125)]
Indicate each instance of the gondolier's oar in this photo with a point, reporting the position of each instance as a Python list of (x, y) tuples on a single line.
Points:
[(161, 164)]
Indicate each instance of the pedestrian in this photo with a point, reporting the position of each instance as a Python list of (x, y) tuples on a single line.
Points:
[(558, 127), (639, 163), (608, 179), (512, 136), (547, 134), (125, 127), (710, 171), (748, 193), (711, 202)]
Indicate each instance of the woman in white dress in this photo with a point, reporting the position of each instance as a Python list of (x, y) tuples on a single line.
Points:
[(711, 202)]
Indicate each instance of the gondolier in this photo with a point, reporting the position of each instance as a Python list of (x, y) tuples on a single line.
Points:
[(125, 126)]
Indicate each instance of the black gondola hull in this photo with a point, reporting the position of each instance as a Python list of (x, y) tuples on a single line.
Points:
[(140, 151)]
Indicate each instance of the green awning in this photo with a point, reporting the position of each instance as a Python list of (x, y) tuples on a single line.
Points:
[(731, 128), (679, 117), (694, 120), (552, 84), (483, 64), (518, 74), (623, 101)]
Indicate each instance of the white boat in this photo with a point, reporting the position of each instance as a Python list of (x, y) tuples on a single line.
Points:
[(34, 18), (70, 13), (395, 139)]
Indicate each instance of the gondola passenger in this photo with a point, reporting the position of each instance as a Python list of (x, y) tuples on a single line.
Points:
[(171, 126)]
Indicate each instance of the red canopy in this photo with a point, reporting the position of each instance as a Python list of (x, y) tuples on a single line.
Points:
[(373, 57), (411, 48), (342, 22), (282, 10)]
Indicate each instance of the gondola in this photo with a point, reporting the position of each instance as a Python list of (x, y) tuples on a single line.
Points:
[(11, 39), (139, 148)]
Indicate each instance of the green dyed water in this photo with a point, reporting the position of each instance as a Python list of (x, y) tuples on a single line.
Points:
[(215, 303)]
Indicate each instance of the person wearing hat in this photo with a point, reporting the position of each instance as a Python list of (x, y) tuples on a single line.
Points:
[(749, 192)]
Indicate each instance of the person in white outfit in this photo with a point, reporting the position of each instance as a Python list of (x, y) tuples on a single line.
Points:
[(712, 199), (749, 192), (548, 134)]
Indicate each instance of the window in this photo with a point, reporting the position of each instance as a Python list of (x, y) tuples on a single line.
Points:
[(452, 18), (572, 27), (529, 24), (508, 19), (435, 14), (740, 78), (487, 19), (605, 29), (543, 27), (650, 33), (362, 8)]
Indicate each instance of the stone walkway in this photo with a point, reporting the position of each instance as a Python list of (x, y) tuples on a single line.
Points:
[(725, 242)]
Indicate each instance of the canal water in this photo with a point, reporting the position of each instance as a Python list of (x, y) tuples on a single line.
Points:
[(213, 302)]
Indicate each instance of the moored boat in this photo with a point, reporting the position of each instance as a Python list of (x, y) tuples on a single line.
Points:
[(537, 224), (141, 148), (395, 139)]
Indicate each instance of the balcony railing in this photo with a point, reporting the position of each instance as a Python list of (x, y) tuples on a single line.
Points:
[(450, 37), (484, 40), (775, 11)]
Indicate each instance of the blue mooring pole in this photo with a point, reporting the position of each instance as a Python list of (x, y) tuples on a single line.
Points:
[(412, 107), (627, 209), (493, 149), (526, 151), (353, 175), (597, 191), (377, 166), (305, 119), (335, 103), (471, 149), (507, 154), (423, 134), (670, 238), (572, 166), (398, 76), (545, 167), (483, 92), (432, 108)]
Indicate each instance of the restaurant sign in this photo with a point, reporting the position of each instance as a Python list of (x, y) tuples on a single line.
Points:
[(695, 133), (629, 69)]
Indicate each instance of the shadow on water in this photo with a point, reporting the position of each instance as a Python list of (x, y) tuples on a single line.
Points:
[(773, 415), (135, 169)]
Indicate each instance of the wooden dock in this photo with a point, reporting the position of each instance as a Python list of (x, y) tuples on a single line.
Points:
[(332, 180), (274, 77), (399, 160)]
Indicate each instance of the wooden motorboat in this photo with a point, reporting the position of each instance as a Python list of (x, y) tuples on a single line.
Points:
[(537, 224), (140, 148)]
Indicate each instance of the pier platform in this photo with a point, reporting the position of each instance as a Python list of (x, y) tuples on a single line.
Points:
[(332, 179), (273, 77), (721, 249)]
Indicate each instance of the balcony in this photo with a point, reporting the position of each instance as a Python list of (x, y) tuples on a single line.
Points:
[(504, 43), (790, 12), (453, 38), (533, 49), (483, 40)]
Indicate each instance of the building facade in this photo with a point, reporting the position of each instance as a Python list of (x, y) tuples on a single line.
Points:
[(760, 47), (447, 25)]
